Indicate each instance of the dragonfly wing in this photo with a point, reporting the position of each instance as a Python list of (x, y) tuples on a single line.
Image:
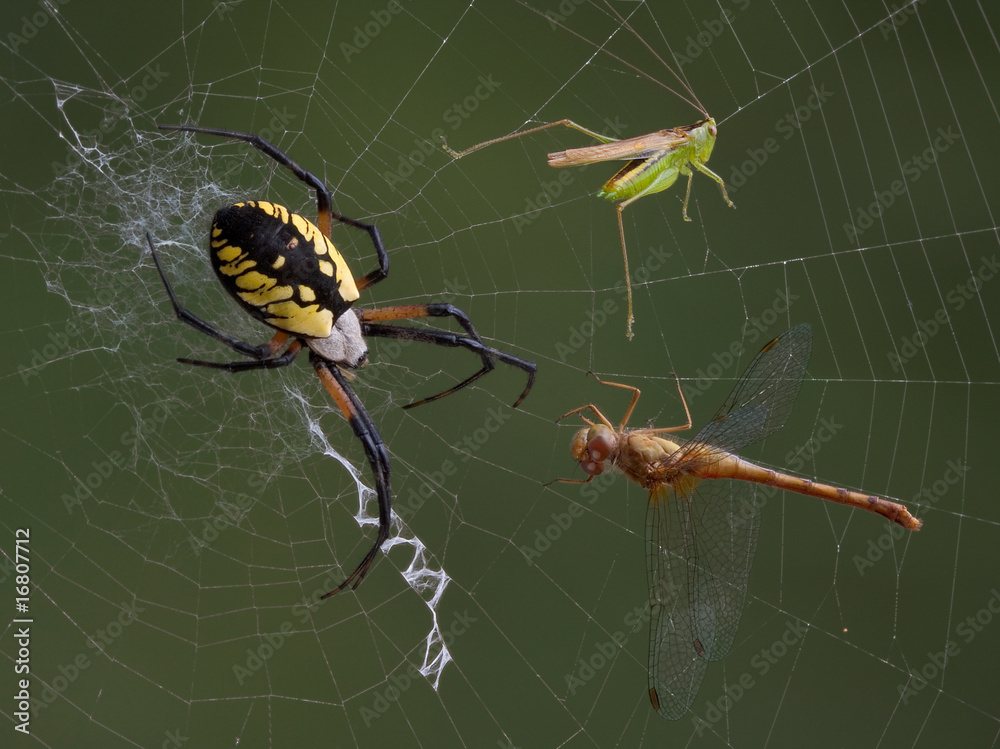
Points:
[(701, 536), (759, 404), (699, 551), (725, 520), (676, 668)]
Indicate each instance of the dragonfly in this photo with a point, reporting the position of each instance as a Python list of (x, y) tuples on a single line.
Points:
[(702, 518), (654, 161)]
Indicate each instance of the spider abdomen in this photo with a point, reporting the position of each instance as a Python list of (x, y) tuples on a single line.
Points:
[(281, 268)]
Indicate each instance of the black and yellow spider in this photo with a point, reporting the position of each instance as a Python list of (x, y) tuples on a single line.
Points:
[(285, 272)]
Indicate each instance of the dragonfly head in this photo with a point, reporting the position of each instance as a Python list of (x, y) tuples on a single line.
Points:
[(592, 446)]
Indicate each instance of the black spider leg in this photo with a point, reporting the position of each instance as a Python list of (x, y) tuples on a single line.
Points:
[(324, 203), (262, 355), (472, 342), (378, 458)]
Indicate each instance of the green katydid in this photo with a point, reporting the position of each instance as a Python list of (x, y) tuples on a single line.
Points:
[(654, 160)]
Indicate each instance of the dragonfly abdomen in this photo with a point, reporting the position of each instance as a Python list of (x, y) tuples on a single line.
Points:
[(738, 468)]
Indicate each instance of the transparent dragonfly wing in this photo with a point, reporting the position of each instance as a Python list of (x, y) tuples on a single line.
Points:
[(676, 669), (699, 549), (759, 405), (701, 535), (725, 521)]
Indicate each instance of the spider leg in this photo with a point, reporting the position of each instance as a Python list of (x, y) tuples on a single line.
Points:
[(264, 353), (378, 458), (273, 362), (324, 203), (472, 341)]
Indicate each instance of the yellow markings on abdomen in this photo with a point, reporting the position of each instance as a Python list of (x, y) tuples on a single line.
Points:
[(348, 289), (308, 321), (261, 290), (225, 251), (235, 268), (282, 268), (271, 209)]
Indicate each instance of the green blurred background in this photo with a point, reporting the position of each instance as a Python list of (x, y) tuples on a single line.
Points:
[(121, 462)]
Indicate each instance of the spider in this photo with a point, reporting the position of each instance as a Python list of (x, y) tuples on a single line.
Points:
[(285, 272)]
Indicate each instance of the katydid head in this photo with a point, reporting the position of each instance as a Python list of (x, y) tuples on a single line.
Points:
[(703, 134)]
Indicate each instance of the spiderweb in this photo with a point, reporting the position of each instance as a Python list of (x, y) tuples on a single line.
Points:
[(182, 522)]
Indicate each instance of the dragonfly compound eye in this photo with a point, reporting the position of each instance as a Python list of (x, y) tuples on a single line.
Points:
[(601, 443)]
